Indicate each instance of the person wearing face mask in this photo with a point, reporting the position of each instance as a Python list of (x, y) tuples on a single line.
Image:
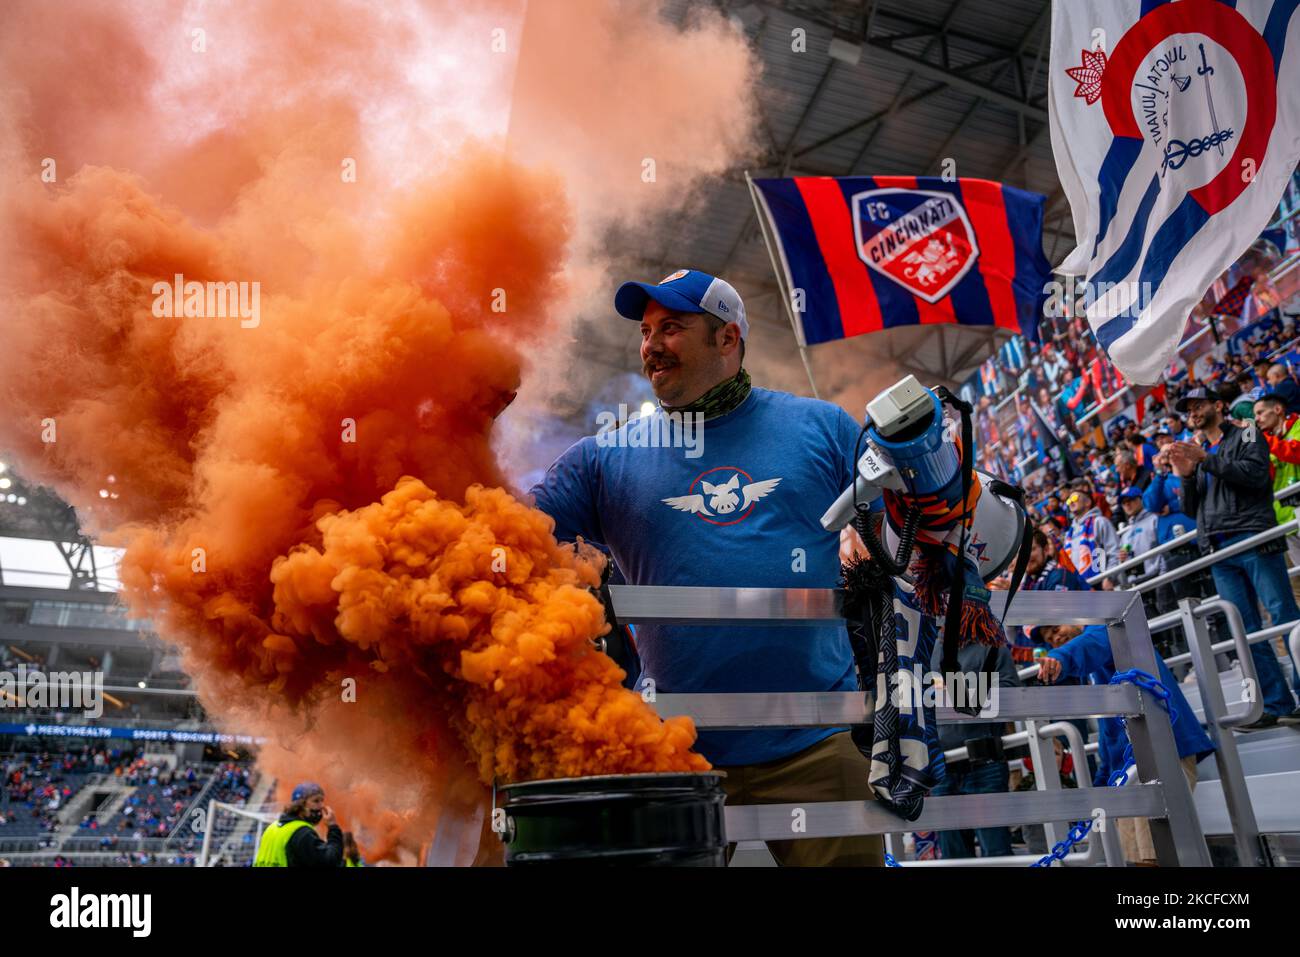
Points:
[(292, 841)]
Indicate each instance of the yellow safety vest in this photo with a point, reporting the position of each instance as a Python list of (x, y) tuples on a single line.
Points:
[(347, 862), (273, 849)]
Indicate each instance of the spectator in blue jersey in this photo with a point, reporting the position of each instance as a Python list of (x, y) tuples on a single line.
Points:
[(742, 509), (1260, 369), (1085, 653), (1228, 484), (1244, 407), (1177, 427)]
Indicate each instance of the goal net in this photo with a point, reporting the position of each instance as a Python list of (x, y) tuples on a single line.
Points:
[(232, 832)]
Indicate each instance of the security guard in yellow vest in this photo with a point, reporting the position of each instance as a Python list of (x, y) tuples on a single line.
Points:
[(292, 841), (351, 853)]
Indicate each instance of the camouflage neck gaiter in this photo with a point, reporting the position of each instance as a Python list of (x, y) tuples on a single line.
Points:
[(719, 400)]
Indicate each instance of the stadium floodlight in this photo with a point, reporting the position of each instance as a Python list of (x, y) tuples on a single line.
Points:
[(5, 483)]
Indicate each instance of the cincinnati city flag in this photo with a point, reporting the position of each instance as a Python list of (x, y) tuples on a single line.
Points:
[(1176, 127), (864, 253)]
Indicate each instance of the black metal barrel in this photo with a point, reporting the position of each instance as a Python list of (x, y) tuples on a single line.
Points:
[(645, 820)]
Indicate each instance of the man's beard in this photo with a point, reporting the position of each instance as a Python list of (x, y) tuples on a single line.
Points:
[(314, 817)]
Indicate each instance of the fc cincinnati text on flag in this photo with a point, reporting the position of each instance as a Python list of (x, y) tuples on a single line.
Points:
[(865, 253), (1176, 127)]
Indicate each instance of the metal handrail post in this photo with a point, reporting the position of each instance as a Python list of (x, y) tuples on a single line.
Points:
[(894, 850), (1219, 722), (1293, 647), (1108, 844), (1177, 837), (1240, 643), (1045, 779)]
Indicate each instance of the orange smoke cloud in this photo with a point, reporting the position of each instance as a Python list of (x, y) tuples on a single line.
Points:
[(481, 603), (310, 504)]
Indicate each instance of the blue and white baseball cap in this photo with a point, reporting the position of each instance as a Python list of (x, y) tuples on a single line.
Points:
[(686, 290), (305, 790)]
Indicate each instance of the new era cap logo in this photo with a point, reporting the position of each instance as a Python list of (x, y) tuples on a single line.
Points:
[(723, 306)]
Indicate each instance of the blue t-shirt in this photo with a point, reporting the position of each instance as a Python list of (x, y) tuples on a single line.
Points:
[(743, 512), (1165, 491)]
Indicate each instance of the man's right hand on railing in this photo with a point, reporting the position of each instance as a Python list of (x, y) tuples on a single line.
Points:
[(1049, 669)]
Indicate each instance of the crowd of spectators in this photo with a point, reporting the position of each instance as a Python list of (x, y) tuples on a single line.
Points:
[(1205, 452), (37, 785), (1198, 464), (155, 807), (234, 783)]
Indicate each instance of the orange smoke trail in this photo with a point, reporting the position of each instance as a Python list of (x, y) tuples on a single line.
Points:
[(310, 505)]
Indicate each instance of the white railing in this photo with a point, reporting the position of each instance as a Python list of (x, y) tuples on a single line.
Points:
[(1204, 562)]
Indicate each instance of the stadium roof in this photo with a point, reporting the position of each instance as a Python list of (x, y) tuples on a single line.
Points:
[(884, 87)]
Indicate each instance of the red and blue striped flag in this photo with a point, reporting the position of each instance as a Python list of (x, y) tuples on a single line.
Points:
[(866, 253)]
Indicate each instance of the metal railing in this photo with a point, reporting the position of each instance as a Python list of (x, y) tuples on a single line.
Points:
[(1164, 798), (1220, 722), (1106, 849), (1205, 561), (1192, 616)]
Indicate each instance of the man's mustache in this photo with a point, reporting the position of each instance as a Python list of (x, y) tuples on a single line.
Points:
[(661, 361)]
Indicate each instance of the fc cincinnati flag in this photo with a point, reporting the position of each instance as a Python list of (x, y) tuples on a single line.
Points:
[(865, 253), (1176, 127)]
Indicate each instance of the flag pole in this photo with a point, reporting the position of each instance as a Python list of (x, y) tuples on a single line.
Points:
[(780, 283)]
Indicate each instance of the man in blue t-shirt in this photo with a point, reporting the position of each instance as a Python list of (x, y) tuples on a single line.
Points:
[(736, 502)]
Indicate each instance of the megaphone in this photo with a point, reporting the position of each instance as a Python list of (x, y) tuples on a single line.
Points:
[(912, 450)]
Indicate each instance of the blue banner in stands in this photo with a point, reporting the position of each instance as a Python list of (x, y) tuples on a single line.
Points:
[(132, 734)]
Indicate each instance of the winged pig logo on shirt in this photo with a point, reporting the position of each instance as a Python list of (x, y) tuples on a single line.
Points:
[(727, 497)]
